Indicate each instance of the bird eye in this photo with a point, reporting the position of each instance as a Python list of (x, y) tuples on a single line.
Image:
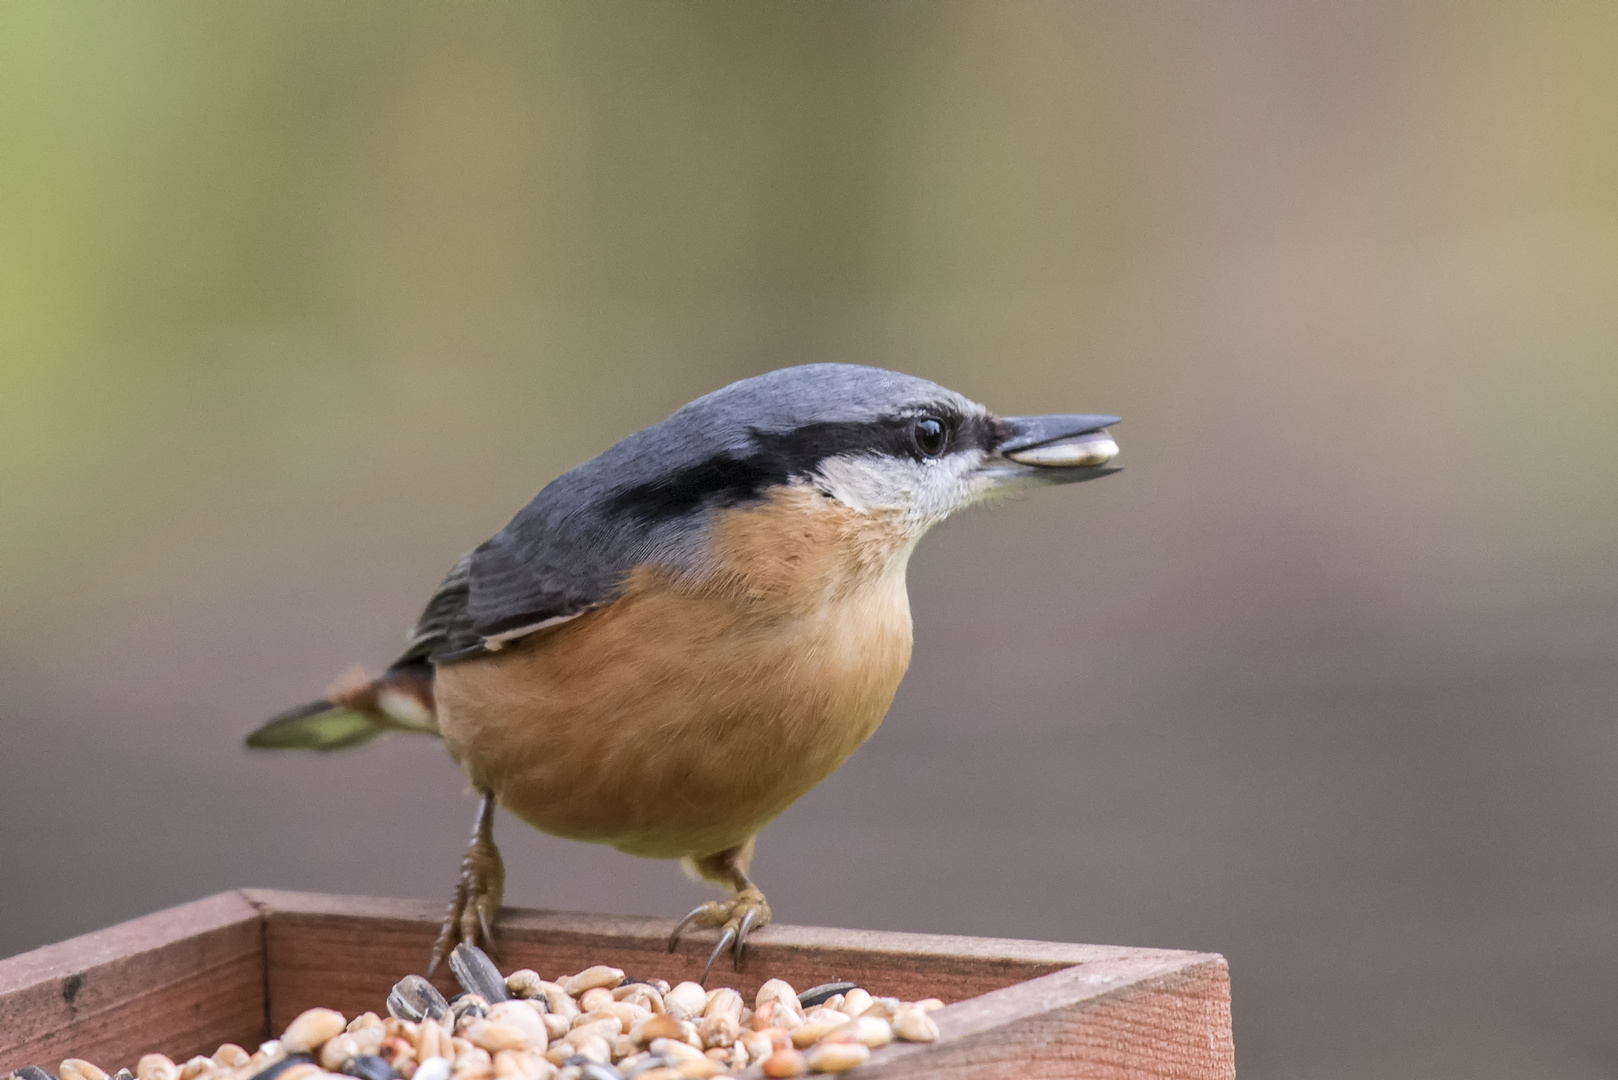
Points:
[(930, 436)]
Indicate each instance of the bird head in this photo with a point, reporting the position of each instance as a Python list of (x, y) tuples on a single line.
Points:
[(897, 451), (876, 441)]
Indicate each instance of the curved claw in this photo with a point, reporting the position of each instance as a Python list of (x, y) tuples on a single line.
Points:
[(746, 927), (685, 924), (488, 932), (725, 940)]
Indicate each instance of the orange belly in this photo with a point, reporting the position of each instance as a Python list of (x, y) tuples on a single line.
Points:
[(683, 717)]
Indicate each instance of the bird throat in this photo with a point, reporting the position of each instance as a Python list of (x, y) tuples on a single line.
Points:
[(800, 549)]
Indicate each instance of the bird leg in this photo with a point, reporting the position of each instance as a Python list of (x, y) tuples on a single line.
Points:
[(745, 911), (471, 915)]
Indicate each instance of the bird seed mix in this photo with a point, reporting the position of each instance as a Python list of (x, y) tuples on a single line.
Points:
[(593, 1025)]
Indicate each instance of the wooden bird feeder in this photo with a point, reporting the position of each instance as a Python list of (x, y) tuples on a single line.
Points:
[(237, 967)]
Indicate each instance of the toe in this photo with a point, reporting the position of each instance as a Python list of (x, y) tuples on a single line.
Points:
[(471, 916), (446, 940), (468, 928)]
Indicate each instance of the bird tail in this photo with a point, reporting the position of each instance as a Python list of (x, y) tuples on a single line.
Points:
[(354, 711)]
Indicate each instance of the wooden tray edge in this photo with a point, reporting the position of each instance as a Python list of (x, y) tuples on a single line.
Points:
[(652, 931), (151, 974)]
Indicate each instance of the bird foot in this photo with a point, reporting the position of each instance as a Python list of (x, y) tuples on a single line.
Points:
[(736, 918), (471, 915)]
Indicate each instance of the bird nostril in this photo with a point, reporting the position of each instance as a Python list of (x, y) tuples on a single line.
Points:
[(1080, 451)]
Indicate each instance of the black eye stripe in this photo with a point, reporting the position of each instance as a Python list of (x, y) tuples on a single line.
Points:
[(729, 478)]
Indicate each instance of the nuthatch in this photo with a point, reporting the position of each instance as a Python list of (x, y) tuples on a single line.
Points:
[(680, 637)]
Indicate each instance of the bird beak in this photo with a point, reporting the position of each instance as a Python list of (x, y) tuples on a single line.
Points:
[(1056, 449)]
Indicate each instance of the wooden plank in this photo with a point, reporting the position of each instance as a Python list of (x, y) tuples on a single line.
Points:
[(1024, 1008), (181, 982), (1131, 1019), (352, 950)]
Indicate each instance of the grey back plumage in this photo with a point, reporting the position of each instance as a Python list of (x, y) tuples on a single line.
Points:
[(648, 498)]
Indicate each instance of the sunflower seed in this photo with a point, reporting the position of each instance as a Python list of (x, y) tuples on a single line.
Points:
[(414, 998), (1090, 449), (367, 1067), (817, 995), (469, 1004), (474, 970)]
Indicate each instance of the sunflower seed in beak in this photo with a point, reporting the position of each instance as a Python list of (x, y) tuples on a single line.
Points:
[(1080, 451)]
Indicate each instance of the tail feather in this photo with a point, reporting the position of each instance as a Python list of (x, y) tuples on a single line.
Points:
[(354, 712), (319, 725)]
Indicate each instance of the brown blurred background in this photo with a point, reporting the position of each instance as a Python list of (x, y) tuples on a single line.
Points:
[(300, 300)]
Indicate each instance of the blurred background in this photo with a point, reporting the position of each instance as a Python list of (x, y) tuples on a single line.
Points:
[(298, 301)]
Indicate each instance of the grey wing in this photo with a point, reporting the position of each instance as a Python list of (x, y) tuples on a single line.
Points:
[(568, 551), (503, 590), (445, 626), (531, 575)]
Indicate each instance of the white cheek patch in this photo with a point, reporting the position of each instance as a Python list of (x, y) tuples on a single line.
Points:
[(925, 491), (867, 482)]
